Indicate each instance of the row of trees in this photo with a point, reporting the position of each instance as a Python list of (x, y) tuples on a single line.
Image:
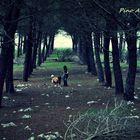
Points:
[(105, 19), (27, 19), (86, 21)]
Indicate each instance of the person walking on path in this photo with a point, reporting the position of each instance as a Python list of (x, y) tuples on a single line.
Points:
[(65, 76)]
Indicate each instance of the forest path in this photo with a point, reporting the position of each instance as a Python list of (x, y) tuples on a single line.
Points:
[(39, 107)]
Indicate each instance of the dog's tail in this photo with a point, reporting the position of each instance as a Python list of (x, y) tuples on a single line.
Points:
[(52, 76)]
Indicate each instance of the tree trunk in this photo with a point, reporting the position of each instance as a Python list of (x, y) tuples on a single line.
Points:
[(8, 43), (90, 54), (131, 38), (9, 74), (116, 59), (81, 50), (48, 47), (52, 42), (98, 60), (120, 47), (101, 42), (74, 43), (35, 49), (33, 45), (19, 45), (25, 43), (43, 50), (1, 40), (139, 48), (39, 50), (28, 55), (2, 73), (108, 76)]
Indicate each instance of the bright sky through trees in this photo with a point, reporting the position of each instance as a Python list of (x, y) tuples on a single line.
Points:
[(62, 40)]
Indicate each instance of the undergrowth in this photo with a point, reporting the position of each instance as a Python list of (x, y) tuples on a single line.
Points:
[(114, 122)]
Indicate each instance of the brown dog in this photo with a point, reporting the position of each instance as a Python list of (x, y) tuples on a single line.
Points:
[(56, 80)]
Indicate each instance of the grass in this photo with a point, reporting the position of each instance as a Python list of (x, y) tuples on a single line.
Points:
[(49, 65), (59, 65), (18, 67), (125, 65)]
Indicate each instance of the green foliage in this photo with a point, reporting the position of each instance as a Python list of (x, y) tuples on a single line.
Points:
[(64, 54)]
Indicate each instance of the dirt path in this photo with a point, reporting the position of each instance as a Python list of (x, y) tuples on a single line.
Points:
[(38, 107)]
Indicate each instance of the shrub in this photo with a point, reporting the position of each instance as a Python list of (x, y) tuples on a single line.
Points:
[(64, 54)]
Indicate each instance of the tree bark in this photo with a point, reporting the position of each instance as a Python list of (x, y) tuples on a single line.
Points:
[(98, 60), (35, 49), (131, 38), (19, 45), (119, 89), (25, 43), (139, 48), (7, 47), (121, 47), (9, 73), (81, 50), (2, 75), (108, 76), (1, 40), (52, 42), (49, 46), (43, 50), (21, 48), (90, 54), (28, 55), (46, 49), (74, 43), (39, 50), (101, 42)]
